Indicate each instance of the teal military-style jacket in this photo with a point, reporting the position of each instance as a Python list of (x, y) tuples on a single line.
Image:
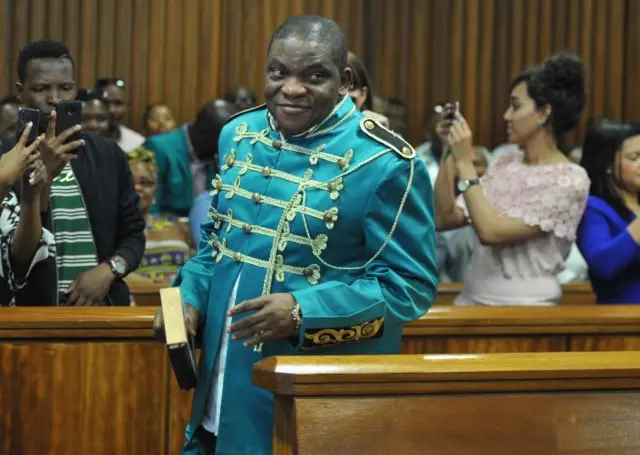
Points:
[(342, 217)]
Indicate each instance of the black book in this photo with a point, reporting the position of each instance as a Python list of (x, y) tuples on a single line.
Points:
[(180, 344)]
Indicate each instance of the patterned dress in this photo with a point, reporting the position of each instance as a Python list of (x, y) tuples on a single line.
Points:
[(9, 217), (552, 197)]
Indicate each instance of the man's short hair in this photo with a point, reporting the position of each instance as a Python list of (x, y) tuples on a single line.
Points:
[(38, 50), (311, 27)]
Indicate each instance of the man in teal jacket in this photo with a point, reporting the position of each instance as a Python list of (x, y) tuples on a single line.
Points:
[(186, 158), (320, 240)]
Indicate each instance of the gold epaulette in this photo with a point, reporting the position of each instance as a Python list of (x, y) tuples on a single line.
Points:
[(387, 137), (246, 111)]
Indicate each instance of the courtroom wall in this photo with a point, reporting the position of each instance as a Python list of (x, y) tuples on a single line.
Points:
[(185, 52)]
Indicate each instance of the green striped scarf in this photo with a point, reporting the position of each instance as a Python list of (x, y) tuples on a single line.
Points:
[(75, 248)]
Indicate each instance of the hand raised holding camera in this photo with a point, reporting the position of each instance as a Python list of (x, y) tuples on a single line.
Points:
[(55, 152), (21, 157)]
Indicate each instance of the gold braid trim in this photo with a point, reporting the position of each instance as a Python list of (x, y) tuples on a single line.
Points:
[(312, 272), (386, 240), (235, 190), (319, 244), (243, 133), (335, 125), (333, 187)]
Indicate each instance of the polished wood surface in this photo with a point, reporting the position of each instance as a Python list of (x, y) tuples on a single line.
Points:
[(340, 375), (572, 294), (495, 404), (468, 330), (184, 52), (53, 355), (567, 423), (98, 397)]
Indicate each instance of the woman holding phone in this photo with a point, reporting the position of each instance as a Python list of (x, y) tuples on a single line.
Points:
[(23, 242), (527, 207)]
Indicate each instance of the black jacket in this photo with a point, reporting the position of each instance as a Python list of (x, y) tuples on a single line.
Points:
[(104, 176)]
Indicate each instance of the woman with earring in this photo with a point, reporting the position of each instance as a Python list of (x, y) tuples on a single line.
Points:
[(609, 234), (527, 207)]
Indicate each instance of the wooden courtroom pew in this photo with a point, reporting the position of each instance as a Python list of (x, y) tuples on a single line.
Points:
[(572, 294), (463, 330), (98, 371), (84, 381), (499, 404)]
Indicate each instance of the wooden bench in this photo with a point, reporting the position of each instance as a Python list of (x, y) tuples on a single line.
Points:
[(572, 294), (499, 404), (96, 373), (467, 330)]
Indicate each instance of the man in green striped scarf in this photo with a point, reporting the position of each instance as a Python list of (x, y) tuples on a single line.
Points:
[(90, 204)]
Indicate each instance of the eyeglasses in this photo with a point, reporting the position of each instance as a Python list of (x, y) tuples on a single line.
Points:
[(107, 81)]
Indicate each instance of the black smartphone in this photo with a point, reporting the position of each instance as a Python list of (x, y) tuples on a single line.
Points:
[(25, 116), (68, 115)]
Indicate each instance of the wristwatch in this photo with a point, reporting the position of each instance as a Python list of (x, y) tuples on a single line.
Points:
[(464, 185), (118, 266)]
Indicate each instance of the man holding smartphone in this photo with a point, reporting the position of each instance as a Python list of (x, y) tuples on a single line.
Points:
[(90, 203)]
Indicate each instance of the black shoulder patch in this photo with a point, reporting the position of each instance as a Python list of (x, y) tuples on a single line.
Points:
[(387, 137), (246, 111)]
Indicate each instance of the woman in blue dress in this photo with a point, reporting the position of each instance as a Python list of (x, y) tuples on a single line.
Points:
[(609, 234)]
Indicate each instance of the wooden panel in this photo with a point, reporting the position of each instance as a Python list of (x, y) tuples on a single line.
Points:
[(483, 344), (98, 398), (572, 294), (186, 52), (488, 424), (628, 342)]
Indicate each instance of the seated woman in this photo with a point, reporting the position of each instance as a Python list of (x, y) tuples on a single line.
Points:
[(361, 90), (168, 239), (158, 119), (527, 207), (23, 242), (609, 234)]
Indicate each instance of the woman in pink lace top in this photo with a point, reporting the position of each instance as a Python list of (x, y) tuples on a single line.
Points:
[(527, 207)]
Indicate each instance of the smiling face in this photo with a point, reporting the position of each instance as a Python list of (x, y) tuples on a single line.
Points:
[(95, 117), (303, 84), (523, 117)]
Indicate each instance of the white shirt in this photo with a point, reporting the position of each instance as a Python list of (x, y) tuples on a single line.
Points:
[(129, 139), (211, 420)]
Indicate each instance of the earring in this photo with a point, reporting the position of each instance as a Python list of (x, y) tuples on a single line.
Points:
[(609, 170), (540, 125)]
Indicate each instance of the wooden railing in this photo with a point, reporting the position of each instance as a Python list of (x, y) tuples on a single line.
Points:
[(102, 385), (500, 404), (572, 294), (449, 329)]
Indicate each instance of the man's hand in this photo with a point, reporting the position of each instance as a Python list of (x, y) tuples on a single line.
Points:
[(191, 320), (14, 163), (90, 288), (55, 153), (273, 319)]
